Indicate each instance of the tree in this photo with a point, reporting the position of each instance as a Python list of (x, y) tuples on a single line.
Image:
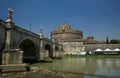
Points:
[(107, 40), (114, 41)]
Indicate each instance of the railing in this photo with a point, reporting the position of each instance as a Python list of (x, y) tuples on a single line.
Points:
[(25, 31), (2, 25)]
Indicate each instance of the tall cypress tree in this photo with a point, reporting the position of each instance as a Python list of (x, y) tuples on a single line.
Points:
[(107, 40)]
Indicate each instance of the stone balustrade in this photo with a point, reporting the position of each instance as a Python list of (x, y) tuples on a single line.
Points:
[(26, 31)]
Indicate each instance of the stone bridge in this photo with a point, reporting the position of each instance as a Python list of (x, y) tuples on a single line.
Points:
[(18, 45)]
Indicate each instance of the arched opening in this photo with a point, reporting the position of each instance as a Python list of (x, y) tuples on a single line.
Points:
[(29, 51), (47, 47), (56, 48)]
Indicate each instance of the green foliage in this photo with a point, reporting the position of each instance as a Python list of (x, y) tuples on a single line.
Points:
[(114, 41)]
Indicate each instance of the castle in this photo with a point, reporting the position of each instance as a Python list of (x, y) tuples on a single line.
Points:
[(64, 34), (72, 40)]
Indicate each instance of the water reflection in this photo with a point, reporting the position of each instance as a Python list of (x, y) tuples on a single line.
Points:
[(86, 65)]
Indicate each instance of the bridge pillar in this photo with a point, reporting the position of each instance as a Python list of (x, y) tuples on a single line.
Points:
[(60, 49), (44, 54), (9, 28), (11, 56), (12, 61), (56, 50)]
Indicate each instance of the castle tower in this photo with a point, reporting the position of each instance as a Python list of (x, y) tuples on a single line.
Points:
[(64, 34)]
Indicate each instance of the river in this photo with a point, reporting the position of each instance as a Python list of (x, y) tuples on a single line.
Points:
[(98, 66)]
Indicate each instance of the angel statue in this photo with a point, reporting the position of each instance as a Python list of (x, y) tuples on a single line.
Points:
[(10, 12)]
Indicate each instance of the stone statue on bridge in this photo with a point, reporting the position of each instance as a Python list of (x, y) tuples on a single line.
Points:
[(41, 32), (10, 13)]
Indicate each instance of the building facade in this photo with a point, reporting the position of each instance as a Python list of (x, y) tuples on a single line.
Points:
[(64, 34), (72, 40)]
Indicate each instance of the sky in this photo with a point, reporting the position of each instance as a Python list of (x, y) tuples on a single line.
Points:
[(98, 18)]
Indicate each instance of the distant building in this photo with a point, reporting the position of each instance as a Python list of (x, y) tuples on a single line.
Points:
[(65, 35), (73, 41)]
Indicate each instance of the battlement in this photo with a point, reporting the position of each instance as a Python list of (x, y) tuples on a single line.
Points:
[(70, 31), (76, 32)]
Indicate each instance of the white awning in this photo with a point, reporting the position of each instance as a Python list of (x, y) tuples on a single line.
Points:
[(107, 49), (117, 49), (98, 49)]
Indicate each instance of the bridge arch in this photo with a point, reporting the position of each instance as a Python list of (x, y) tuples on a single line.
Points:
[(48, 47), (28, 47)]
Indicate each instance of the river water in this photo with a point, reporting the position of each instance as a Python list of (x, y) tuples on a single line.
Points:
[(98, 66)]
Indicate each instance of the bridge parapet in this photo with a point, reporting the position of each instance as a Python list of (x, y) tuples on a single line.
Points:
[(2, 24), (26, 31), (2, 35)]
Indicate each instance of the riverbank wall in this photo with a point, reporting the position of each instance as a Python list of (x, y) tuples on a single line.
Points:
[(88, 47)]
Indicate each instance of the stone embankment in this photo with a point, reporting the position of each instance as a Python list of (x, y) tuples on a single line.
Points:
[(44, 73)]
